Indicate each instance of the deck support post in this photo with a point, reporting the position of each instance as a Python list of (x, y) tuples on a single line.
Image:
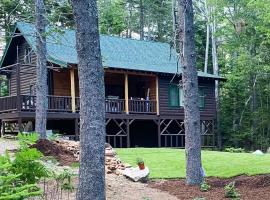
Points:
[(157, 95), (76, 121), (126, 94), (159, 135), (2, 129), (128, 134), (72, 89), (20, 124)]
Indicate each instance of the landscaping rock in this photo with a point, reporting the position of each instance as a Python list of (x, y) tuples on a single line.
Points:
[(258, 152), (135, 174)]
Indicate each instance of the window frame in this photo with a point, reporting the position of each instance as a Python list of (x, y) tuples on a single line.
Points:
[(169, 96)]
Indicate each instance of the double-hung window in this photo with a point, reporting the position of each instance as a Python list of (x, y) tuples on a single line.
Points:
[(176, 96)]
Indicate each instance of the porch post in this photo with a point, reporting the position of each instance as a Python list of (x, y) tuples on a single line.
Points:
[(128, 133), (18, 88), (159, 135), (157, 95), (126, 94), (76, 121), (72, 89)]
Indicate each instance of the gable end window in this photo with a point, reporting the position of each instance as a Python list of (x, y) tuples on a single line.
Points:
[(27, 55), (176, 96)]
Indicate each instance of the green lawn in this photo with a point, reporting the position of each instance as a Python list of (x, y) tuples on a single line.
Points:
[(170, 163)]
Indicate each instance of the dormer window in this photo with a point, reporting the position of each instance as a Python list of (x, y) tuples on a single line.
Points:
[(28, 55)]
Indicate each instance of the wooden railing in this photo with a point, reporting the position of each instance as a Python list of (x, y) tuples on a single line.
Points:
[(55, 103), (142, 106), (8, 104), (64, 104), (115, 105)]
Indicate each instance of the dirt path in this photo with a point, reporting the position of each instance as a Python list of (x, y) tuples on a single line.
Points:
[(119, 188)]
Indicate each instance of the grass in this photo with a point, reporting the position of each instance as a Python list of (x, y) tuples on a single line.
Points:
[(170, 163)]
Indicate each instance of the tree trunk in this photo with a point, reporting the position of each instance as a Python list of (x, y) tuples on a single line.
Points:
[(216, 72), (191, 97), (141, 20), (41, 70), (92, 108), (207, 36)]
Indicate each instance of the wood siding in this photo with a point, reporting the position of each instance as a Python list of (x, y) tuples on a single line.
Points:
[(27, 72), (166, 110)]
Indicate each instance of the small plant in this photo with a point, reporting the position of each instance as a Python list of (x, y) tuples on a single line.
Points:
[(27, 139), (140, 163), (64, 182), (204, 187), (231, 191)]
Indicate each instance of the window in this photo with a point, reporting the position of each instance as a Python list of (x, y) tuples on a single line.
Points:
[(201, 97), (173, 96), (27, 56), (176, 96)]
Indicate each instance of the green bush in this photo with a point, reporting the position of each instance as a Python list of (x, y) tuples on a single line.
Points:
[(234, 150), (27, 139), (11, 184), (27, 163), (231, 191)]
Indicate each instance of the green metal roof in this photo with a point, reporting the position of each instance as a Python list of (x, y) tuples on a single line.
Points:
[(116, 52)]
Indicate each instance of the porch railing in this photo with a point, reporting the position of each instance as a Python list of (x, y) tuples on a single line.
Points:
[(115, 105), (8, 104), (55, 103), (64, 104), (142, 106)]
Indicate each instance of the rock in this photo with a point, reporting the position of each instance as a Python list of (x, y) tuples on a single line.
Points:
[(135, 174), (109, 152), (258, 152)]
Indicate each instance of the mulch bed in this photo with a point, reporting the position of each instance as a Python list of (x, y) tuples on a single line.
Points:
[(249, 187), (51, 148)]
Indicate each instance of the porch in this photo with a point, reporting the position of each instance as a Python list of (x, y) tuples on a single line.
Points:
[(125, 92), (27, 103)]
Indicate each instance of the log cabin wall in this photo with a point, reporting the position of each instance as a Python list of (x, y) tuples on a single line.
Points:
[(61, 83), (27, 72), (166, 110)]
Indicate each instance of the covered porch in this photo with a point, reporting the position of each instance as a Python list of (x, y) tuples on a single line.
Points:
[(125, 93)]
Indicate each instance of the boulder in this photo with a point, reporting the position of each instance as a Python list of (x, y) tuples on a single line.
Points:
[(258, 152), (135, 174)]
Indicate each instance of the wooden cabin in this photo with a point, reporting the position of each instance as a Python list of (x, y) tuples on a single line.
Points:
[(143, 96)]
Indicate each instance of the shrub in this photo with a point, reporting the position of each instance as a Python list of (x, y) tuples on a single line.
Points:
[(11, 184), (27, 139), (27, 163), (231, 192), (204, 187), (234, 150)]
